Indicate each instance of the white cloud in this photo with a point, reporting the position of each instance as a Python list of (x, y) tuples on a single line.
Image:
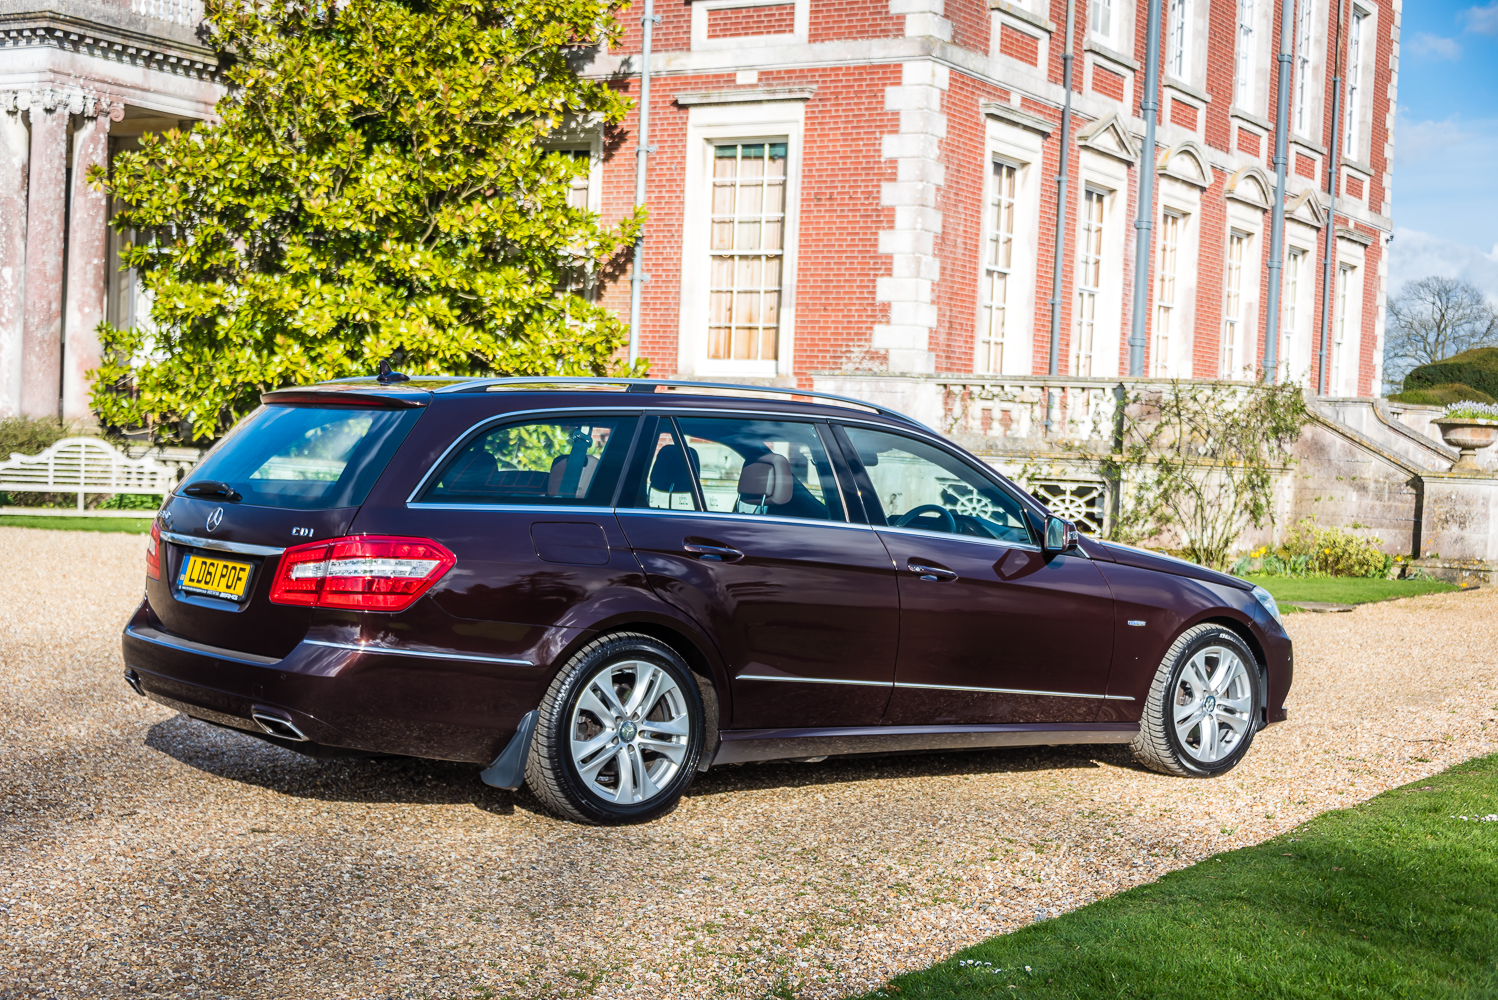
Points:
[(1420, 140), (1426, 44), (1482, 20), (1442, 181), (1414, 255)]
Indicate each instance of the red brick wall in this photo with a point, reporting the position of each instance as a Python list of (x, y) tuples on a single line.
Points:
[(835, 19), (673, 33), (1222, 36), (959, 245), (1250, 142), (972, 24), (1183, 114), (1107, 83), (734, 22), (1368, 335), (841, 217), (1212, 235), (1018, 45), (1305, 166), (1354, 186)]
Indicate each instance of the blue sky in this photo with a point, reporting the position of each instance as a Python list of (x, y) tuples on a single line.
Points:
[(1446, 144)]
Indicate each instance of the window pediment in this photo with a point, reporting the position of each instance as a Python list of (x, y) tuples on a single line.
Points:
[(1109, 136), (1187, 162), (1252, 187)]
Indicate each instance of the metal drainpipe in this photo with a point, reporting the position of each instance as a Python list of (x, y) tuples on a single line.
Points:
[(1144, 223), (1061, 173), (638, 277), (1277, 226), (1332, 177)]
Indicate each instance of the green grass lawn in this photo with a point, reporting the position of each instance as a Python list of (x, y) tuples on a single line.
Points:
[(138, 526), (1345, 589), (1391, 898)]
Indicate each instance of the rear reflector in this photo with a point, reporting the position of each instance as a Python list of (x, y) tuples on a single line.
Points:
[(153, 552), (361, 572)]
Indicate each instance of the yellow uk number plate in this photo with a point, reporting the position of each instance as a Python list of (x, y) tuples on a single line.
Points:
[(219, 577)]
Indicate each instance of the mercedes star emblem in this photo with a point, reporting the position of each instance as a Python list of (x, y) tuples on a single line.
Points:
[(215, 519)]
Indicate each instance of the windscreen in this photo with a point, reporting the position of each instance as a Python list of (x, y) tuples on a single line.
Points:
[(306, 457)]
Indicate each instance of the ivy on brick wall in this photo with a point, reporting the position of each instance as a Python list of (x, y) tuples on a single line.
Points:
[(383, 181), (1199, 461)]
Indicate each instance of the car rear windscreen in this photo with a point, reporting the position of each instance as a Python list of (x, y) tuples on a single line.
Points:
[(306, 457)]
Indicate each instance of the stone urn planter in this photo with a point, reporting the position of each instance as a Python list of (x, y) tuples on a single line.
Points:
[(1469, 434)]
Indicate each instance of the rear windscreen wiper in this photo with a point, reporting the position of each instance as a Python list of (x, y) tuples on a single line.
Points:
[(212, 488)]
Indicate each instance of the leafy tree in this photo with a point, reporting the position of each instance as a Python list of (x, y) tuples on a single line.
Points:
[(1199, 460), (379, 184), (1432, 319)]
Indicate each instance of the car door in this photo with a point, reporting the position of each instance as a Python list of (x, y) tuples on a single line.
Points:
[(992, 630), (739, 522)]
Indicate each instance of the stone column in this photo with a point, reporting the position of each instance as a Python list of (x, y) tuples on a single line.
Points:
[(14, 156), (88, 250), (41, 351)]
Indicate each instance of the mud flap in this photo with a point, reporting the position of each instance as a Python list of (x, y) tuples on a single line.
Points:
[(508, 769)]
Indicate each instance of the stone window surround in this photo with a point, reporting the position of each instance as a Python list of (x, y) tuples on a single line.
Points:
[(1106, 173), (772, 120), (1181, 198)]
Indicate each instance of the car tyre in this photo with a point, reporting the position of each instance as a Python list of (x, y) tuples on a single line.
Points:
[(619, 734), (1204, 706)]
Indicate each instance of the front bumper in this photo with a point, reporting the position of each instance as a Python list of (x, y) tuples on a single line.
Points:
[(338, 692)]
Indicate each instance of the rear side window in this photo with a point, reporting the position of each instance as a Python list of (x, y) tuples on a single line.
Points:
[(306, 457), (551, 461)]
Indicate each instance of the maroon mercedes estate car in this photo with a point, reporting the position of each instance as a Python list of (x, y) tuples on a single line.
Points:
[(600, 587)]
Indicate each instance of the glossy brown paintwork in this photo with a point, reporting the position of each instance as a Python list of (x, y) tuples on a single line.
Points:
[(809, 599), (1009, 620)]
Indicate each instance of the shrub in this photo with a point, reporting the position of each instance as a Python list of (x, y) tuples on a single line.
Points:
[(29, 435), (1442, 395), (1477, 368), (1335, 552)]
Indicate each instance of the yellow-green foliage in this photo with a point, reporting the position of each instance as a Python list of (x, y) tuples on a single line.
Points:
[(1335, 552), (383, 181)]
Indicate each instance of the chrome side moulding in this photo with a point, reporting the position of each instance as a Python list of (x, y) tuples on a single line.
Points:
[(147, 634), (425, 654)]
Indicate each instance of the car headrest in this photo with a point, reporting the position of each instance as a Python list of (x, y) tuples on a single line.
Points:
[(669, 474), (766, 481), (587, 465)]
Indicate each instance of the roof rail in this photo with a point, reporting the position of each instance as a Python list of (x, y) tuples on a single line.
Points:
[(644, 385)]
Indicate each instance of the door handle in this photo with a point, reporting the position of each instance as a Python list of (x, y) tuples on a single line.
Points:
[(931, 574), (713, 552)]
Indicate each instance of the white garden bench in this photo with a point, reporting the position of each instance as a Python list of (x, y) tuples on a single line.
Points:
[(85, 465)]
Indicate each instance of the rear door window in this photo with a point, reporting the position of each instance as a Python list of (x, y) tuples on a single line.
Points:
[(553, 461), (743, 466), (307, 457)]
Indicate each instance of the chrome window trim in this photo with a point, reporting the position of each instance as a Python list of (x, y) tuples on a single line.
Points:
[(988, 690), (394, 651), (812, 680), (219, 545), (749, 518), (922, 533), (518, 508)]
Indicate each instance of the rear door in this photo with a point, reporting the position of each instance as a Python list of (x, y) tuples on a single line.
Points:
[(992, 631), (739, 522)]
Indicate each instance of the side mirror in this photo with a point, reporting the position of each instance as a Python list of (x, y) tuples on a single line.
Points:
[(1060, 535)]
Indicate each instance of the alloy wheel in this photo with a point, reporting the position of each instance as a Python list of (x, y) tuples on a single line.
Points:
[(630, 731), (1213, 709)]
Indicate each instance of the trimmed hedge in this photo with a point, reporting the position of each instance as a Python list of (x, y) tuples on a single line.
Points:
[(1443, 395), (1477, 368)]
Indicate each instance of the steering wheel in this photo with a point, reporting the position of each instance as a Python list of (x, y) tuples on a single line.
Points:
[(949, 523)]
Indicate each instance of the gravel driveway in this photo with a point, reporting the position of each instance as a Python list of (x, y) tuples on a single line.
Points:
[(142, 853)]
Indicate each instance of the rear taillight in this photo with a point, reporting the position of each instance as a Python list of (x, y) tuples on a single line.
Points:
[(361, 572), (153, 553)]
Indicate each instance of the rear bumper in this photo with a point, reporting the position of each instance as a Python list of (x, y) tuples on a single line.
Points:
[(447, 705)]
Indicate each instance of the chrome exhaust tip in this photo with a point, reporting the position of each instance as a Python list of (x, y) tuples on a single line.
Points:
[(278, 725), (133, 679)]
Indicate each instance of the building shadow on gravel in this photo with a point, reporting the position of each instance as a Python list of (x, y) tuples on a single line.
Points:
[(236, 756)]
